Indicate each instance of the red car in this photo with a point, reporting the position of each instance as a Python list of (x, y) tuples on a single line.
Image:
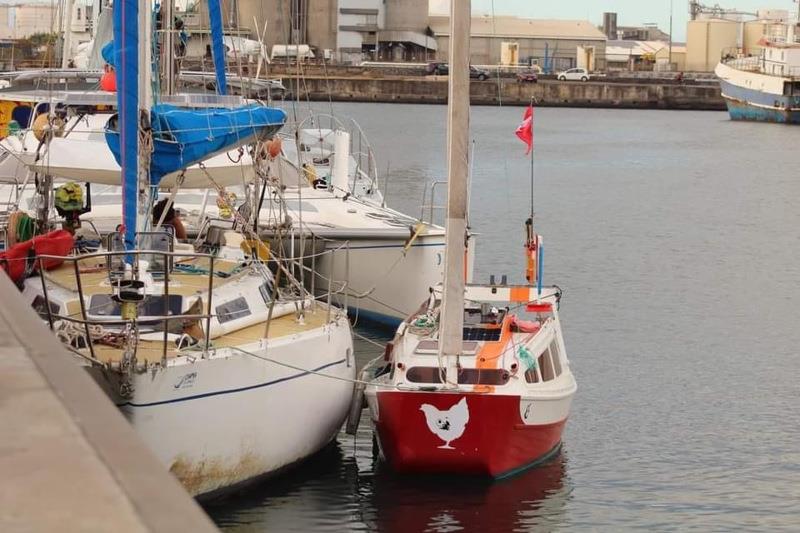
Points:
[(527, 76)]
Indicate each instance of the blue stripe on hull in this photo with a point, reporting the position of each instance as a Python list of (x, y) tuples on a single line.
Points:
[(745, 111), (750, 104), (376, 318)]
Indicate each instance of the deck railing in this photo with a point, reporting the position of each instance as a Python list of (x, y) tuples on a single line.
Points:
[(293, 264)]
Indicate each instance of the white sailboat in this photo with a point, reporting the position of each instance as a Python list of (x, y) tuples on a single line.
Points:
[(395, 257), (223, 362)]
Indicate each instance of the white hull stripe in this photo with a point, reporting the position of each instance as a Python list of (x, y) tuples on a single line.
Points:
[(440, 244), (762, 106), (232, 391)]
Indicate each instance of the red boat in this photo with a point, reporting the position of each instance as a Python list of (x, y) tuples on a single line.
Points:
[(506, 408), (477, 381)]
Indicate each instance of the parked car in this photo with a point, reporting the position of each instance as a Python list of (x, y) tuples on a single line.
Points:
[(476, 73), (574, 74), (437, 68), (527, 76), (442, 69)]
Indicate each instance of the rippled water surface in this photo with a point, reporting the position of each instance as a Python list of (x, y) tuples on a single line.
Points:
[(676, 239)]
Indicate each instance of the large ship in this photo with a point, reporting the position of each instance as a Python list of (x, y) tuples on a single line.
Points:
[(764, 87)]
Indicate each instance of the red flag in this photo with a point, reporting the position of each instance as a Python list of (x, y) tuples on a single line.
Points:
[(525, 130)]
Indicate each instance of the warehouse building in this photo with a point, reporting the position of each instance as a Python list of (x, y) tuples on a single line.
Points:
[(406, 30), (552, 44)]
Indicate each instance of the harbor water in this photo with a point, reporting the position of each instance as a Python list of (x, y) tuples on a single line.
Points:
[(676, 239)]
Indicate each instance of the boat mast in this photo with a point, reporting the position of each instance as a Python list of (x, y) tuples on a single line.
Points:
[(168, 61), (218, 44), (452, 315), (132, 59), (66, 50)]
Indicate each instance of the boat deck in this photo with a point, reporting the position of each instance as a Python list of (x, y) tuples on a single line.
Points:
[(152, 351), (94, 276)]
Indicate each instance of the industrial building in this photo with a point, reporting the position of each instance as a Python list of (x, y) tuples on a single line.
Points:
[(625, 55), (350, 31), (347, 31), (552, 44), (707, 40)]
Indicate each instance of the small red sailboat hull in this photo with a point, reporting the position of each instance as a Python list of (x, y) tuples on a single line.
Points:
[(495, 441)]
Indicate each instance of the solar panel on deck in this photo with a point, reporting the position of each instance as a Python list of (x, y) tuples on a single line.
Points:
[(481, 334)]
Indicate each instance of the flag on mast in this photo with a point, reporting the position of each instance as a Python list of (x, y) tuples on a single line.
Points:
[(525, 129)]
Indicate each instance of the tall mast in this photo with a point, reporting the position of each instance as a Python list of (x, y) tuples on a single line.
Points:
[(452, 315), (66, 51), (132, 61), (218, 44), (168, 47)]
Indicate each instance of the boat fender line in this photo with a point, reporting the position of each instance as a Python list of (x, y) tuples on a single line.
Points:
[(357, 404)]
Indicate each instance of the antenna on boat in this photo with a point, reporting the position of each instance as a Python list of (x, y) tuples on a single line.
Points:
[(451, 331), (532, 245), (533, 151)]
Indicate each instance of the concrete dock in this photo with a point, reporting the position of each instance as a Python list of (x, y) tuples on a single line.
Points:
[(411, 85), (69, 461), (547, 93)]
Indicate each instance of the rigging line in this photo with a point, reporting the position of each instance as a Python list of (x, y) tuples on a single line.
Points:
[(327, 82), (370, 341), (260, 266), (315, 372)]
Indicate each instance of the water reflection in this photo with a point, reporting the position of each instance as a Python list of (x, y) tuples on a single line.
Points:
[(348, 489), (526, 502)]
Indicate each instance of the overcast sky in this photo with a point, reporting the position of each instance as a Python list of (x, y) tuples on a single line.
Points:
[(629, 12)]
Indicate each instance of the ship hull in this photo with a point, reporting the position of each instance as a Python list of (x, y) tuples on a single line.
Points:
[(504, 434), (746, 103), (222, 422)]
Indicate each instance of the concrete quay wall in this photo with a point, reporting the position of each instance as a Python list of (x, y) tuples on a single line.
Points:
[(69, 461), (433, 90)]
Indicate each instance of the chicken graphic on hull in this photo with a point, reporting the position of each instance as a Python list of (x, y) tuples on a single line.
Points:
[(447, 425)]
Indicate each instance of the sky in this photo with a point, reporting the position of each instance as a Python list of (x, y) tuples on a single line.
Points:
[(629, 12)]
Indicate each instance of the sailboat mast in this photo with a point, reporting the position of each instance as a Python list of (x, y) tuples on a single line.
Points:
[(168, 47), (132, 59), (452, 315), (66, 18), (145, 92)]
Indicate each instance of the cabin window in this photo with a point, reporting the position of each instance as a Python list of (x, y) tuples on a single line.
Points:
[(532, 375), (483, 376), (555, 355), (104, 306), (425, 374), (266, 292), (40, 305), (546, 366), (232, 310)]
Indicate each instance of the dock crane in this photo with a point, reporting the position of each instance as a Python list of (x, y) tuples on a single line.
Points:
[(696, 9)]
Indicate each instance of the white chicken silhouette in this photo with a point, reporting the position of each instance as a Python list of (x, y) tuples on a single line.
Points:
[(447, 425)]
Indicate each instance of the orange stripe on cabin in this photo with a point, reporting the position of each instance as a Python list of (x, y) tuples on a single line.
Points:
[(490, 353)]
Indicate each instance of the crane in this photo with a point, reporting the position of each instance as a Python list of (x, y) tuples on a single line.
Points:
[(696, 9)]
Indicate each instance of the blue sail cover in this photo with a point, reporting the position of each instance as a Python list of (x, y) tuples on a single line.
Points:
[(107, 53), (186, 136), (217, 44), (126, 60)]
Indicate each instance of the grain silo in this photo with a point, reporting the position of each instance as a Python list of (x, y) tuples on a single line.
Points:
[(707, 40)]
